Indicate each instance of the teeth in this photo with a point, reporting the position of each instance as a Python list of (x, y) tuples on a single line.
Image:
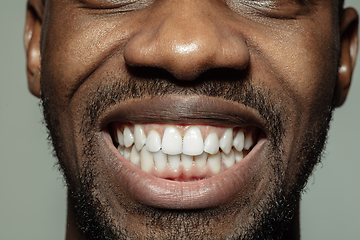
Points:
[(193, 142), (173, 151), (160, 160), (200, 160), (214, 162), (228, 159), (238, 142), (134, 156), (121, 150), (127, 153), (174, 161), (238, 156), (212, 143), (248, 141), (172, 141), (120, 137), (226, 141), (128, 137), (153, 141), (187, 161), (147, 161), (140, 137)]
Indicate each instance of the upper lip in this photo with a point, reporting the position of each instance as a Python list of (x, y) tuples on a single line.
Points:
[(175, 109)]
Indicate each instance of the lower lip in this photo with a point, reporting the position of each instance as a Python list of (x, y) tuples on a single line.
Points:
[(161, 193)]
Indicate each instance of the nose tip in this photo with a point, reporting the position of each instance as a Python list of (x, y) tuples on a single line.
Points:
[(184, 61), (186, 47)]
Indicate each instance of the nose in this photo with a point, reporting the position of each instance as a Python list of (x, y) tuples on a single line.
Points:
[(187, 38)]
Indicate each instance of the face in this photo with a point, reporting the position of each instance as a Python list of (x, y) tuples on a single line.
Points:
[(189, 119)]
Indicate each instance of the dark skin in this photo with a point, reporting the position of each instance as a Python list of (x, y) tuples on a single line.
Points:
[(280, 66)]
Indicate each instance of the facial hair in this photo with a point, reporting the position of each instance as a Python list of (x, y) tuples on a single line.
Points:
[(270, 218)]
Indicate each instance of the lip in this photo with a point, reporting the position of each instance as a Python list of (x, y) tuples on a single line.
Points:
[(161, 193), (178, 109)]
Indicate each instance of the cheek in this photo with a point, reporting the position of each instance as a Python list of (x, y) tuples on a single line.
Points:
[(89, 42), (302, 64)]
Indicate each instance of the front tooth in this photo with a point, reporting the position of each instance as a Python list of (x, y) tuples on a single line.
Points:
[(201, 160), (127, 153), (238, 142), (147, 160), (160, 160), (238, 156), (174, 161), (193, 142), (134, 156), (226, 141), (120, 137), (172, 141), (186, 161), (248, 141), (212, 143), (214, 162), (228, 159), (128, 137), (139, 136), (153, 141)]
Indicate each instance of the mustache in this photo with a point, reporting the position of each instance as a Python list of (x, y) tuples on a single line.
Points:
[(115, 89)]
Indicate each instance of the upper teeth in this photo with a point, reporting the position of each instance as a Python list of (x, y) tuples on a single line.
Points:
[(128, 137), (173, 150), (140, 138), (193, 143), (153, 141), (172, 141), (226, 141), (212, 143)]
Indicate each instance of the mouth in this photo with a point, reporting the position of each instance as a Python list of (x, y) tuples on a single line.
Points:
[(183, 152), (191, 157)]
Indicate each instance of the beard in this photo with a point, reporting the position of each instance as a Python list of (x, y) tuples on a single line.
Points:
[(269, 219)]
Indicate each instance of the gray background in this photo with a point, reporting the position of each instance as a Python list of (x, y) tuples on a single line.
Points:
[(32, 192)]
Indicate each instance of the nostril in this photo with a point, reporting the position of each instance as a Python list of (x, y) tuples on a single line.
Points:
[(187, 75), (150, 73), (173, 61), (158, 77)]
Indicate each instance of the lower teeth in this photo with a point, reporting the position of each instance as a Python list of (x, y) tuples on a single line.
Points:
[(147, 161)]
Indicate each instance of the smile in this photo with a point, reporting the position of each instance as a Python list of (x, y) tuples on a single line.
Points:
[(198, 156), (183, 152)]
